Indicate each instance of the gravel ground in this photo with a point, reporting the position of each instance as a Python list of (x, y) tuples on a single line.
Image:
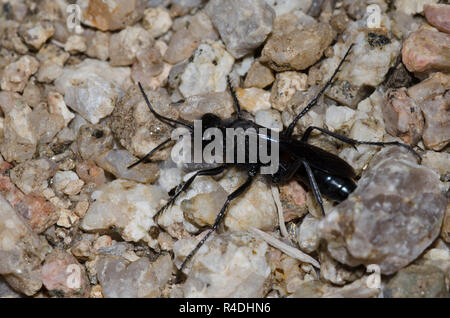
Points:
[(75, 222)]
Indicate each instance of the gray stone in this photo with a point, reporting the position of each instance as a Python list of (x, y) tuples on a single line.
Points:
[(243, 25), (21, 251), (92, 88), (296, 47), (394, 214), (126, 206), (417, 281), (94, 140), (121, 278), (220, 104), (63, 276), (208, 70), (117, 161), (112, 15), (136, 128), (228, 265)]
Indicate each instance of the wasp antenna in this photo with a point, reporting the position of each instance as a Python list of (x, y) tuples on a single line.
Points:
[(235, 100), (159, 116)]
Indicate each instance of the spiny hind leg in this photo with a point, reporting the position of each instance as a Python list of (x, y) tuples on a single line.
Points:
[(185, 186), (314, 186), (217, 222)]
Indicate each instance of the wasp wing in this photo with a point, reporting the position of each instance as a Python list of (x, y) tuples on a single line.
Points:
[(319, 158)]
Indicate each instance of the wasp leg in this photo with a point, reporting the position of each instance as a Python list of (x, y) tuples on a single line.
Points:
[(314, 101), (219, 218), (314, 186), (354, 142), (206, 172), (165, 142)]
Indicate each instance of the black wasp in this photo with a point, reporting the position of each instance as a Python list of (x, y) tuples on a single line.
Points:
[(325, 173)]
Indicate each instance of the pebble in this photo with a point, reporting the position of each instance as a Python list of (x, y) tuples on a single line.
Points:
[(256, 208), (404, 24), (286, 6), (296, 49), (6, 291), (445, 233), (98, 45), (402, 116), (22, 251), (120, 278), (253, 99), (149, 68), (285, 86), (32, 176), (228, 265), (10, 38), (136, 128), (57, 106), (156, 21), (368, 126), (52, 60), (438, 16), (181, 46), (208, 70), (33, 207), (288, 273), (92, 88), (64, 276), (433, 97), (369, 62), (417, 281), (117, 161), (243, 25), (426, 51), (67, 182), (35, 34), (20, 140), (181, 7), (339, 118), (413, 6), (127, 44), (112, 15), (75, 44), (220, 104), (413, 209), (258, 76), (269, 118), (319, 289), (15, 75), (45, 124), (333, 272), (307, 235), (93, 141), (189, 32), (127, 206), (90, 173), (438, 161), (32, 93), (293, 200), (202, 208)]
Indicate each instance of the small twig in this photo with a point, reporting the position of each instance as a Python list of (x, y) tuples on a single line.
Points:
[(276, 198), (285, 248)]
